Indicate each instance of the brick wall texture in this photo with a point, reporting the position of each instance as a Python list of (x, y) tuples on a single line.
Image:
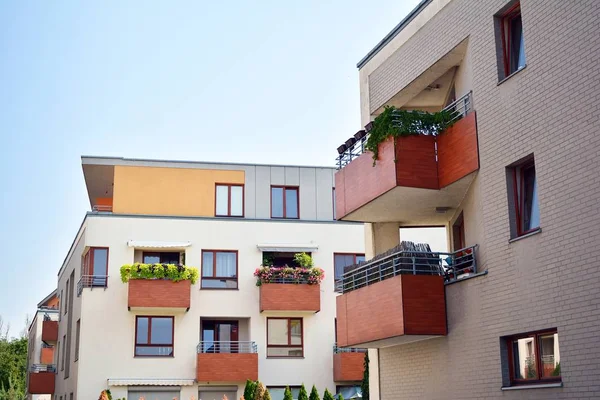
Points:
[(158, 293), (227, 367), (290, 297), (348, 367), (552, 279)]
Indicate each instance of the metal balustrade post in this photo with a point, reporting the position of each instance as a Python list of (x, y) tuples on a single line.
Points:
[(414, 265)]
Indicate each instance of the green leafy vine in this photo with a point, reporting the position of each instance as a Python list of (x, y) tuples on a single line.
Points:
[(393, 122), (171, 272)]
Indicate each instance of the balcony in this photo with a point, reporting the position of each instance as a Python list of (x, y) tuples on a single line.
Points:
[(348, 364), (414, 178), (399, 296), (41, 379), (223, 361), (91, 282), (47, 354), (50, 329), (144, 294), (290, 295)]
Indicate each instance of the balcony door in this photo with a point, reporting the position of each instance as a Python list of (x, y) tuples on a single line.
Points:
[(220, 336)]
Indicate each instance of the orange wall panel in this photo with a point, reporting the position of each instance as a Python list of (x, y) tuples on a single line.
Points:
[(416, 165), (226, 367), (290, 297), (458, 153), (158, 293), (424, 303), (41, 382), (168, 191), (49, 331), (47, 355), (348, 367)]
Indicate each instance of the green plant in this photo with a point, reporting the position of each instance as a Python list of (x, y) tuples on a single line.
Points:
[(302, 395), (259, 393), (267, 395), (530, 368), (304, 260), (314, 394), (327, 395), (556, 371), (393, 122), (287, 394), (171, 272), (249, 390), (364, 386), (340, 397)]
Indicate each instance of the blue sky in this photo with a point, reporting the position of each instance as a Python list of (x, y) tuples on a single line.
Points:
[(254, 81)]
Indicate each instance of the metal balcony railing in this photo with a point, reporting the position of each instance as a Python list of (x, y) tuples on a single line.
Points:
[(399, 261), (337, 350), (355, 146), (42, 368), (50, 316), (91, 281), (223, 346), (101, 208)]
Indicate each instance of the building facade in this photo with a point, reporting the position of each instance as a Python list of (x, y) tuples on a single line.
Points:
[(511, 312), (159, 339)]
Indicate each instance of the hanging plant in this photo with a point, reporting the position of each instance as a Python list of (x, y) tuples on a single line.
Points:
[(393, 122)]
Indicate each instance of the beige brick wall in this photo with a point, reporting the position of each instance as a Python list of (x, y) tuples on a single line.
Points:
[(552, 279)]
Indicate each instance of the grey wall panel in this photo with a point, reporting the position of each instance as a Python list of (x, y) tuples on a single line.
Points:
[(308, 194), (277, 175), (292, 176), (250, 192), (324, 192), (263, 192)]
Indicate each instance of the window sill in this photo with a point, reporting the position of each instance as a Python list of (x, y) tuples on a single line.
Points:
[(284, 358), (511, 75), (540, 386), (534, 232), (219, 288), (153, 357)]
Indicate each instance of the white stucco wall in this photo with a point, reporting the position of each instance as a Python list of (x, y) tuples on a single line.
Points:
[(107, 327)]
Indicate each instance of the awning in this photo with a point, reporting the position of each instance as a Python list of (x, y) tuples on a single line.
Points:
[(150, 382), (145, 244), (288, 247)]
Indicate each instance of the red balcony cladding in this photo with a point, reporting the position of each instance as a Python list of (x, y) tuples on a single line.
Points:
[(47, 355), (401, 308), (409, 161), (158, 293), (290, 297), (348, 367), (41, 382), (49, 331), (226, 367)]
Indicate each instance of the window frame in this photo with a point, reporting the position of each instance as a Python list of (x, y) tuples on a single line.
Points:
[(345, 254), (77, 333), (289, 329), (88, 266), (292, 387), (518, 181), (136, 345), (214, 277), (159, 254), (506, 19), (63, 354), (540, 379), (284, 202), (229, 186)]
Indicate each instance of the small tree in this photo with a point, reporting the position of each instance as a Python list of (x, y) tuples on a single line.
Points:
[(287, 394), (327, 395), (259, 393), (340, 397), (267, 395), (303, 394), (249, 390), (314, 395), (364, 386)]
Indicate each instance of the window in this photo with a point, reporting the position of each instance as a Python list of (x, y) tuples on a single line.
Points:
[(280, 259), (215, 393), (77, 332), (220, 336), (62, 304), (284, 202), (161, 258), (277, 392), (157, 393), (534, 358), (333, 199), (513, 44), (219, 269), (154, 336), (229, 200), (343, 260), (64, 347), (525, 209), (57, 354), (458, 233), (95, 266), (284, 337), (66, 308), (70, 396)]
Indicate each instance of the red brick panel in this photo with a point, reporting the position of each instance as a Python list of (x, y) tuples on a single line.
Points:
[(159, 293), (457, 150), (290, 297), (341, 323), (41, 382), (47, 355), (227, 367), (360, 182), (416, 165), (348, 367), (424, 302), (374, 312), (49, 331)]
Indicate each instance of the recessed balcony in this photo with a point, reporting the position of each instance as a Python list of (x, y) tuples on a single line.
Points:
[(222, 361), (41, 379), (415, 178), (144, 294), (348, 364)]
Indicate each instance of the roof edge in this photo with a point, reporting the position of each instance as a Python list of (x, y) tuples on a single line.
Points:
[(393, 33), (54, 293)]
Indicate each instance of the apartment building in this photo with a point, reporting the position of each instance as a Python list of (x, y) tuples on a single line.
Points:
[(512, 310), (158, 339), (42, 336)]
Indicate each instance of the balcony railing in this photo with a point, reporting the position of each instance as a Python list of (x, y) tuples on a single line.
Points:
[(227, 347), (50, 316), (101, 208), (35, 368), (355, 146), (399, 261), (338, 350), (91, 281)]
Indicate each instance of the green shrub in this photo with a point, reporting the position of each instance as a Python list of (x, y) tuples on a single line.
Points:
[(249, 390), (314, 395), (303, 395), (364, 386), (287, 394), (171, 272), (304, 260), (327, 395)]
